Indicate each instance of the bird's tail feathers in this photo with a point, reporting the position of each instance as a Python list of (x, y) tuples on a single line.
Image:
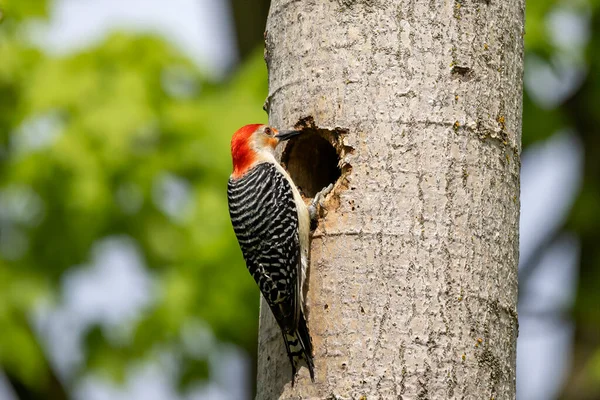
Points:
[(299, 348)]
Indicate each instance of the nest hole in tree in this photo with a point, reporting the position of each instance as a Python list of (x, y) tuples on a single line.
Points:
[(312, 162)]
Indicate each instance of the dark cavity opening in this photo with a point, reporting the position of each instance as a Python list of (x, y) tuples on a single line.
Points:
[(312, 162)]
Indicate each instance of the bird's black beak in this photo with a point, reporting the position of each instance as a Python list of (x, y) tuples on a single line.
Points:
[(287, 135)]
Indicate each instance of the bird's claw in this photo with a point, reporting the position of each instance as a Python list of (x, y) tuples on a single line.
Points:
[(315, 204)]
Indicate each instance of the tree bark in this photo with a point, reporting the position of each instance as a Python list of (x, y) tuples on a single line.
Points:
[(412, 286)]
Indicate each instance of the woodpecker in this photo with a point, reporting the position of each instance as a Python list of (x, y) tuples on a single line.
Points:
[(272, 226)]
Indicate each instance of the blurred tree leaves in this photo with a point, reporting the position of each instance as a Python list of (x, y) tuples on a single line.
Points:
[(578, 112), (18, 10), (98, 144)]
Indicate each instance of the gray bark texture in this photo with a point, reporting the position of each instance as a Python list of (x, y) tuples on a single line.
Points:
[(412, 287)]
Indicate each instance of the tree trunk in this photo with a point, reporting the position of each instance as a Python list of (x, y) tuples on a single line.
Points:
[(412, 287)]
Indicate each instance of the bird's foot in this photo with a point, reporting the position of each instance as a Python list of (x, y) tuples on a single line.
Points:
[(315, 204)]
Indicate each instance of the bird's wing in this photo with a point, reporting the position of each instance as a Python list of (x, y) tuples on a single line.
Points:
[(265, 220)]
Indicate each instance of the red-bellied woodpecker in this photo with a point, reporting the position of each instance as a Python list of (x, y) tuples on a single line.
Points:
[(272, 225)]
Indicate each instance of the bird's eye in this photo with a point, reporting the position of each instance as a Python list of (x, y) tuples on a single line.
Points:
[(268, 131)]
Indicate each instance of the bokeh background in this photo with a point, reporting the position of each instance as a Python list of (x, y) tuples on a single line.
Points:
[(120, 276)]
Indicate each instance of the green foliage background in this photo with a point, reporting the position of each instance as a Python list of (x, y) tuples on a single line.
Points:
[(119, 116)]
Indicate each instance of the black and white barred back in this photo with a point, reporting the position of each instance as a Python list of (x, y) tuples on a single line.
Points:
[(265, 220)]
